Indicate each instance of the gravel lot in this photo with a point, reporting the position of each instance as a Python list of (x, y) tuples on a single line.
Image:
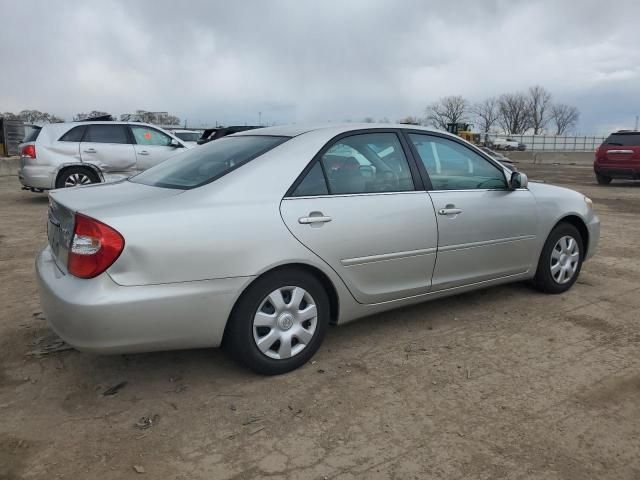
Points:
[(501, 383)]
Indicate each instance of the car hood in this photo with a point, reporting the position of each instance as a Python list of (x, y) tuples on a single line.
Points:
[(122, 193)]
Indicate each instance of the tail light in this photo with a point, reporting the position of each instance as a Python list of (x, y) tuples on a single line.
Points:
[(28, 151), (94, 248)]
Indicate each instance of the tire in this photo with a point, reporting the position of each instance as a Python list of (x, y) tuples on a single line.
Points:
[(554, 279), (75, 176), (603, 179), (255, 318)]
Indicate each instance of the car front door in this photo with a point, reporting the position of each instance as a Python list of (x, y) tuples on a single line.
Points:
[(485, 230), (362, 210), (151, 146), (108, 146)]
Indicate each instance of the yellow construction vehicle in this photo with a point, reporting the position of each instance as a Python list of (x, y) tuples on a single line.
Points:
[(463, 130)]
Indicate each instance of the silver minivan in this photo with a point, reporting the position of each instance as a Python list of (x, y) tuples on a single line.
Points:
[(60, 155)]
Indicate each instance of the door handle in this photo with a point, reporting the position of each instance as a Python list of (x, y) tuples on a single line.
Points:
[(311, 219), (449, 211), (90, 150), (143, 152)]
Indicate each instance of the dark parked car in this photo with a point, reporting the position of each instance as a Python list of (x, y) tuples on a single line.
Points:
[(618, 157), (214, 133)]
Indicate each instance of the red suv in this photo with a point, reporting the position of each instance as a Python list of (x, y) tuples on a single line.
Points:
[(618, 157)]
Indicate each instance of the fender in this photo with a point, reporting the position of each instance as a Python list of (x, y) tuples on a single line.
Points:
[(75, 164)]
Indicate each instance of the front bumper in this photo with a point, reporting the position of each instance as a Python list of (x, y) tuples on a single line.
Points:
[(100, 316), (594, 236), (36, 176)]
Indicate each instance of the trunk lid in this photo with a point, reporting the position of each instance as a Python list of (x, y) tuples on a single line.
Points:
[(65, 203)]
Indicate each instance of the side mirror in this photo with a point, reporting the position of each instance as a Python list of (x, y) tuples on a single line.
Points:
[(518, 180), (174, 143)]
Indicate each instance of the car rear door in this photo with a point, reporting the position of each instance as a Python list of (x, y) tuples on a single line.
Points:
[(368, 218), (151, 146), (485, 230), (109, 147)]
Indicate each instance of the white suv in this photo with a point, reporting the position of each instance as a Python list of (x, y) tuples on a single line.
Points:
[(68, 154)]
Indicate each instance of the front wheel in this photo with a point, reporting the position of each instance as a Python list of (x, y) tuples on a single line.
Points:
[(603, 179), (279, 322), (561, 260)]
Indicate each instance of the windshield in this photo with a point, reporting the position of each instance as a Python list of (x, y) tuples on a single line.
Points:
[(188, 136), (202, 165)]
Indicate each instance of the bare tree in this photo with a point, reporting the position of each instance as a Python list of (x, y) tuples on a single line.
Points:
[(514, 116), (410, 120), (565, 117), (539, 108), (160, 118), (36, 116), (172, 120), (452, 109), (486, 114), (92, 114), (9, 116), (368, 120)]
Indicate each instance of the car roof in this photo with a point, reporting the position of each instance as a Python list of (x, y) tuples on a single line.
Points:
[(295, 129)]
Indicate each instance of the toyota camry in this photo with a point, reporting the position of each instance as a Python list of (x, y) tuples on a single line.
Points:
[(260, 240)]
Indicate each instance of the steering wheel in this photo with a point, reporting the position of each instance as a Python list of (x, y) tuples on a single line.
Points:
[(481, 184)]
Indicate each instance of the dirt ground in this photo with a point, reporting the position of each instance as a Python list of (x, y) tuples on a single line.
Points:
[(501, 383)]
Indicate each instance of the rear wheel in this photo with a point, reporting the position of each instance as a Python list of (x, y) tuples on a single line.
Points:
[(603, 179), (279, 322), (76, 176), (561, 260)]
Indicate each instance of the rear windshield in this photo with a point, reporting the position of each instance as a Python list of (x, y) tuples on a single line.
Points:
[(623, 139), (188, 136), (204, 164), (32, 135)]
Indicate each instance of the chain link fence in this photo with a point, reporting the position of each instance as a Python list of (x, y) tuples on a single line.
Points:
[(553, 143)]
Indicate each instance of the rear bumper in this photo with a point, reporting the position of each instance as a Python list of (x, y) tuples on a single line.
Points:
[(100, 316), (36, 176), (618, 171)]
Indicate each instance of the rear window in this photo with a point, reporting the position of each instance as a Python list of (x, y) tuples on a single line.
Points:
[(32, 135), (623, 139), (74, 135), (202, 165), (188, 136)]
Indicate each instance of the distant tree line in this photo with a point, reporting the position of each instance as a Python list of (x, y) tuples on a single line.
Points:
[(158, 118), (513, 113), (32, 116), (36, 116)]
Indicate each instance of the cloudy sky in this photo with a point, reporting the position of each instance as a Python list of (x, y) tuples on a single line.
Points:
[(299, 61)]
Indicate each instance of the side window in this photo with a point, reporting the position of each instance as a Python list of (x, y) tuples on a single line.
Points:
[(74, 135), (452, 166), (313, 183), (367, 163), (149, 136), (103, 133)]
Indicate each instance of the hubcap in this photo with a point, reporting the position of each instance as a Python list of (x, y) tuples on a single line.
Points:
[(76, 179), (565, 257), (285, 322)]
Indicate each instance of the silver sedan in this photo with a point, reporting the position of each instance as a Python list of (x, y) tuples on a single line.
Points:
[(260, 240)]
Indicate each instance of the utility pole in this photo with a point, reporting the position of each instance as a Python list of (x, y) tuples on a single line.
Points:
[(636, 123), (260, 118)]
